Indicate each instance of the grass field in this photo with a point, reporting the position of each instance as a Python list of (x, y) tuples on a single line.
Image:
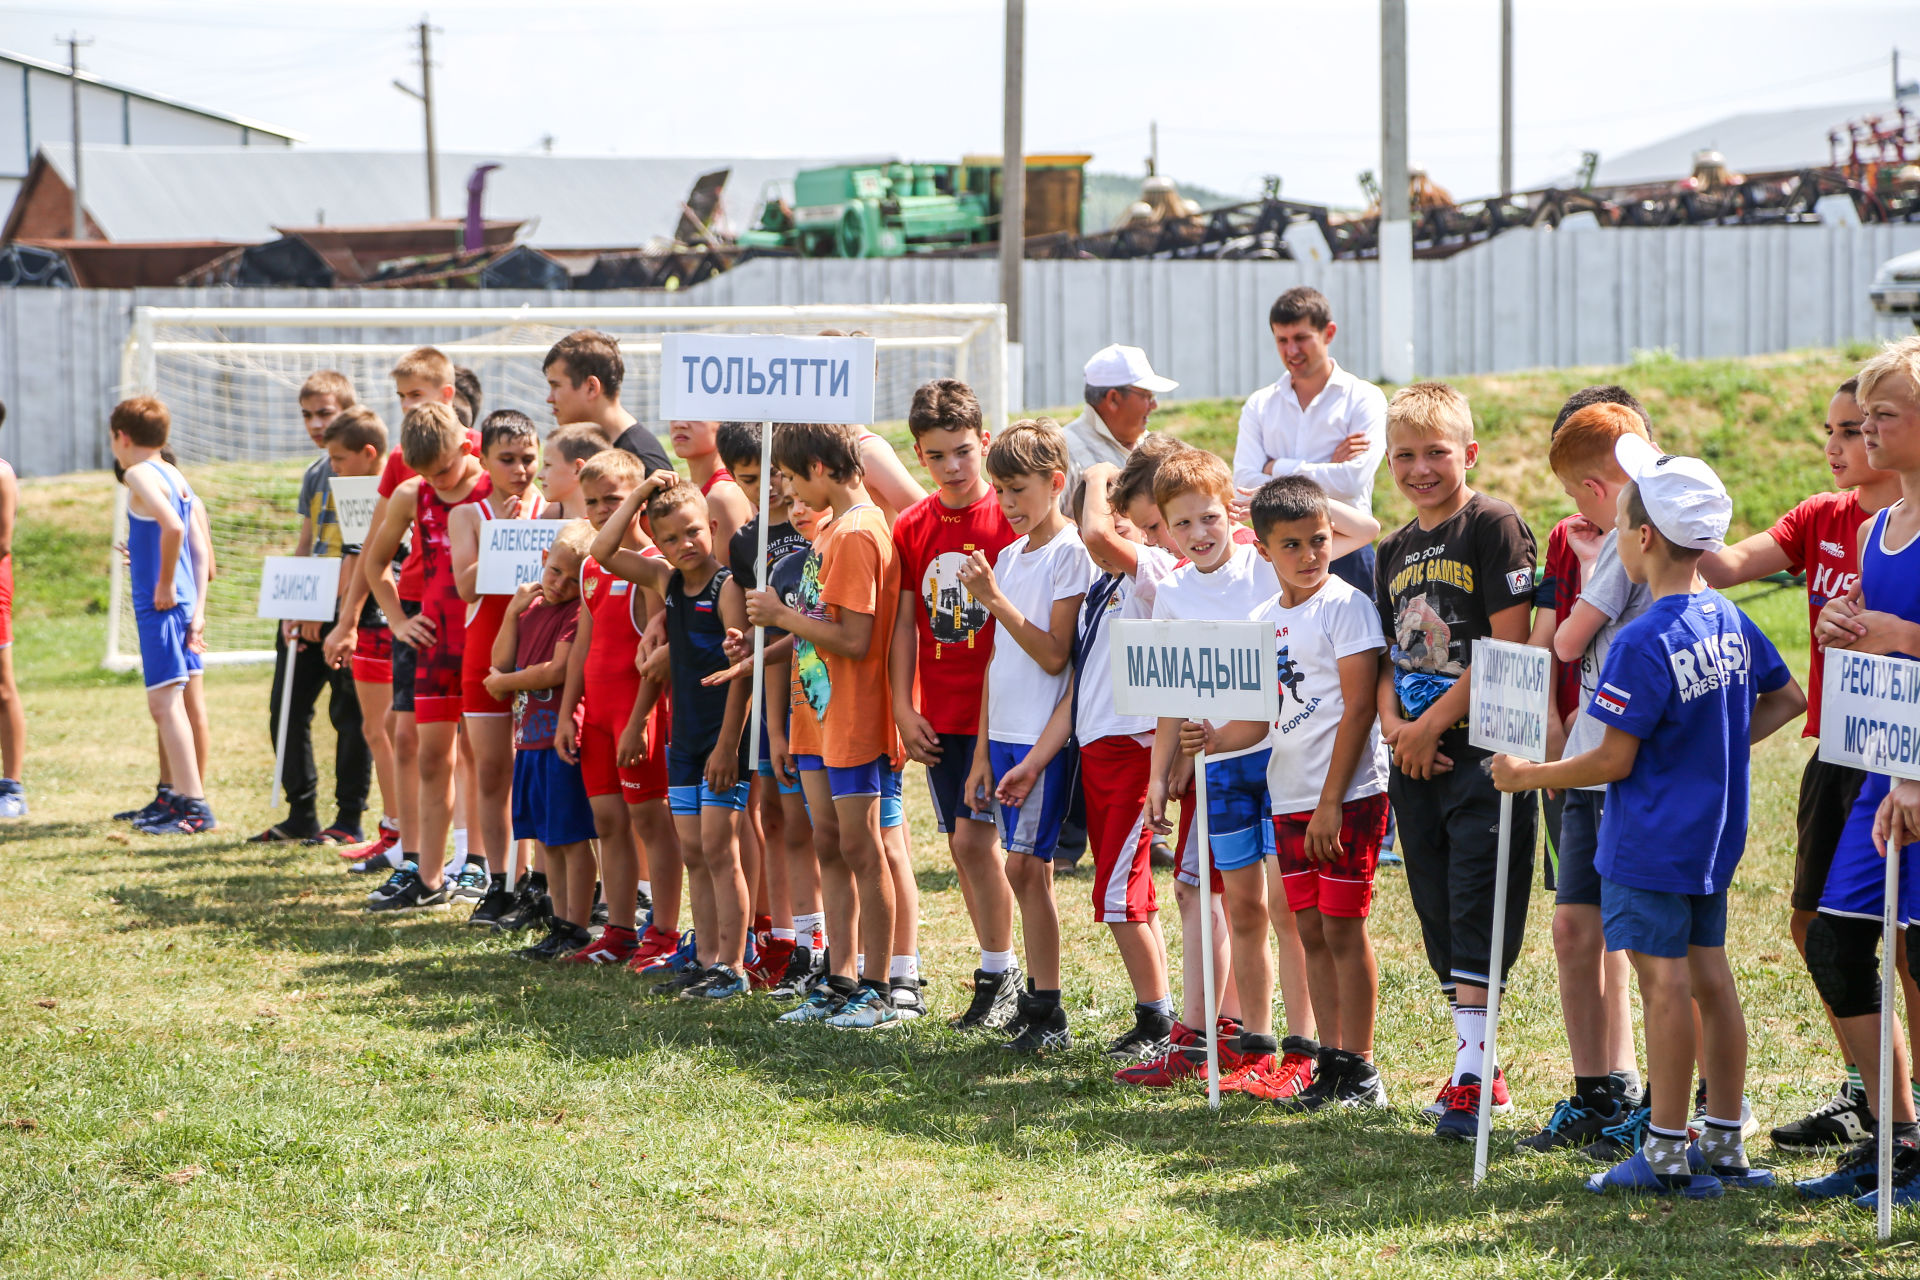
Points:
[(218, 1067)]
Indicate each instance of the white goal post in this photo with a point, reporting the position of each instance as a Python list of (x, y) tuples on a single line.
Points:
[(231, 378)]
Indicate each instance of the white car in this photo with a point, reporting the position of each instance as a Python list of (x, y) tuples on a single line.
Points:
[(1896, 287)]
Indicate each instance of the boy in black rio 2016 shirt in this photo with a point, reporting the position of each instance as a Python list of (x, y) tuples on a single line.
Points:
[(1460, 570)]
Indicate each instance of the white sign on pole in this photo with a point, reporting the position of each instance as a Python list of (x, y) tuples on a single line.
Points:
[(1216, 671), (756, 377), (299, 588), (1870, 713), (510, 552), (1511, 684), (1870, 719), (1509, 692), (353, 502)]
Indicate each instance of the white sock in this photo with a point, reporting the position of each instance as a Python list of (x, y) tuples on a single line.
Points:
[(1470, 1031), (459, 858), (996, 961), (388, 824), (785, 935), (904, 967), (646, 887)]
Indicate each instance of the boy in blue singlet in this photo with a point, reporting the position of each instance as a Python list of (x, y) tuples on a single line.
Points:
[(1880, 615), (169, 600)]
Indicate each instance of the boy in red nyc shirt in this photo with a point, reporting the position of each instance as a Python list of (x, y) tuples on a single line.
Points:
[(942, 643)]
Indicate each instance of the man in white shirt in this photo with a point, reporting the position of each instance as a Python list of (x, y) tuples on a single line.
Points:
[(1317, 420), (1120, 391)]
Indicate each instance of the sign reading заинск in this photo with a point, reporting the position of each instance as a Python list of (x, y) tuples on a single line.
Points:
[(761, 377), (1869, 702)]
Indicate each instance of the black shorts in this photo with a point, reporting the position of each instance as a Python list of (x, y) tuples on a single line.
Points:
[(1450, 840), (1827, 793), (947, 782), (404, 661)]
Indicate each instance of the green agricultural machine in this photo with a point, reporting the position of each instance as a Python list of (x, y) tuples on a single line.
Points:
[(888, 210)]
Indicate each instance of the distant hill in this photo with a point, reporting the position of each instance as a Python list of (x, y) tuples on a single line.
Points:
[(1109, 194)]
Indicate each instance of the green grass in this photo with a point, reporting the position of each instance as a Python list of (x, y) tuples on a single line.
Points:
[(218, 1067)]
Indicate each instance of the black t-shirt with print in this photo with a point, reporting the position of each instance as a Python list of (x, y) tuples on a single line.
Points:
[(1438, 588)]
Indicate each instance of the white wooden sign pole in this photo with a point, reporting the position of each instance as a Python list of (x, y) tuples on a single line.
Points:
[(294, 589), (1217, 671), (1206, 929), (763, 573), (1870, 719), (1510, 690), (765, 378)]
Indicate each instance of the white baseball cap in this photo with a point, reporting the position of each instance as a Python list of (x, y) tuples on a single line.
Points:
[(1683, 497), (1118, 366)]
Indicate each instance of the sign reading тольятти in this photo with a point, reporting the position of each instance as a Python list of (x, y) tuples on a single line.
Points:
[(1216, 671), (1870, 713), (1511, 686), (755, 377), (299, 588)]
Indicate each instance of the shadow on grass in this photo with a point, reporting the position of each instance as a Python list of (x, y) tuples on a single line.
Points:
[(1249, 1171)]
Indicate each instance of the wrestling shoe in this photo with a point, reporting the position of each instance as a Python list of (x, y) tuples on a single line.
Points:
[(1043, 1028), (655, 945), (1147, 1040), (996, 1000), (614, 946), (805, 970), (722, 982)]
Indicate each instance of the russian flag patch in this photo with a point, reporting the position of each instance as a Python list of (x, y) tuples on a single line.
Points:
[(1612, 698)]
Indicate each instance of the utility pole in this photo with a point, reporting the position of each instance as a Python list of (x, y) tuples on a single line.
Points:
[(74, 44), (1013, 169), (424, 96), (1396, 225), (1506, 97)]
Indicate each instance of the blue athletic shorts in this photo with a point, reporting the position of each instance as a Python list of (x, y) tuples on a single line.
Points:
[(1577, 883), (549, 800), (947, 783), (765, 767), (164, 659), (1239, 817), (1033, 827), (1661, 924), (893, 809), (1857, 880), (687, 789)]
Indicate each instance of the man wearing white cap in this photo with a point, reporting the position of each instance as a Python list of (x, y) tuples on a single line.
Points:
[(1121, 387), (1317, 420)]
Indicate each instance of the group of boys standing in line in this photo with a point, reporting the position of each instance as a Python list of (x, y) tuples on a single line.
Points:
[(598, 718)]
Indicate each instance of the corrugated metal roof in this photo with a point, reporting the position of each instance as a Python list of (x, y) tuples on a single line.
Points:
[(242, 193), (1756, 142), (87, 77)]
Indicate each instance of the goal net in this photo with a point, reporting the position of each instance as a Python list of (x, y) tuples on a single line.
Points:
[(231, 377)]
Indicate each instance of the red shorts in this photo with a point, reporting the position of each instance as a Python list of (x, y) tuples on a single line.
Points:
[(373, 656), (476, 664), (1187, 845), (1113, 776), (1343, 887), (599, 752), (6, 600)]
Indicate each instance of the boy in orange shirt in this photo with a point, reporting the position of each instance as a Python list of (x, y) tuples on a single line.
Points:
[(843, 740)]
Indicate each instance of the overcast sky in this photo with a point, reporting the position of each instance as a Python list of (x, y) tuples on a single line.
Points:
[(1239, 89)]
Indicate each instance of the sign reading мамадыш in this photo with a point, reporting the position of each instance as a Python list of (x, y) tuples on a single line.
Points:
[(299, 588), (1870, 713), (510, 553), (1216, 671), (353, 502), (756, 377), (1511, 689)]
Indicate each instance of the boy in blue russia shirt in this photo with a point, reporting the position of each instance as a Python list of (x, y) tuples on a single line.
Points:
[(1686, 689)]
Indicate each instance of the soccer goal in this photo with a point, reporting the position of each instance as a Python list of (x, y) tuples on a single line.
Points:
[(232, 375)]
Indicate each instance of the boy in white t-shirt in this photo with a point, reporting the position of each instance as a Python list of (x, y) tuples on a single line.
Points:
[(1228, 579), (1327, 780), (1033, 590)]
